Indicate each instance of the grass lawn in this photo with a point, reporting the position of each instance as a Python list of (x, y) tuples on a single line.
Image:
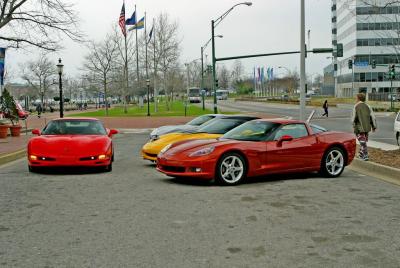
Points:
[(177, 108)]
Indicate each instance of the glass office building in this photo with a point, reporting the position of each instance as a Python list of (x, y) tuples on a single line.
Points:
[(369, 31)]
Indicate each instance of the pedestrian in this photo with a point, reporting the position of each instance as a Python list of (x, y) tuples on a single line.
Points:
[(325, 107), (364, 122), (39, 109)]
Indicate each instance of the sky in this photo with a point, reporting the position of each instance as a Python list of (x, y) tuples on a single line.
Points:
[(267, 26)]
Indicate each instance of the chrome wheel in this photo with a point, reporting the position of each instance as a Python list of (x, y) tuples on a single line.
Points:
[(232, 169), (334, 162)]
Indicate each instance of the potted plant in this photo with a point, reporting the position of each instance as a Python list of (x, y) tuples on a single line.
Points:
[(9, 109), (4, 126)]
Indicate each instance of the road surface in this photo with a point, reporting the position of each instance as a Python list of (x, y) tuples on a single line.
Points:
[(137, 217)]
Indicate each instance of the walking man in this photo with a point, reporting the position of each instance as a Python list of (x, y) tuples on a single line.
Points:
[(364, 122), (325, 107)]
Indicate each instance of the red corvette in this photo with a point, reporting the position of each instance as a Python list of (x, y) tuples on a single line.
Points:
[(72, 142), (260, 147)]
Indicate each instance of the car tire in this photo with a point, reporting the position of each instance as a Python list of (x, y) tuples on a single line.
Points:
[(32, 169), (108, 168), (231, 169), (333, 163), (398, 138)]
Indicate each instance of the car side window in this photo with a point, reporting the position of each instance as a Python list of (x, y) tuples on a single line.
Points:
[(294, 130)]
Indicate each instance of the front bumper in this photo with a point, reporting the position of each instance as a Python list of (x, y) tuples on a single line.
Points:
[(68, 161), (201, 167)]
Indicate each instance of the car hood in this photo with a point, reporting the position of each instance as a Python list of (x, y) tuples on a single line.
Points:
[(69, 145), (172, 129)]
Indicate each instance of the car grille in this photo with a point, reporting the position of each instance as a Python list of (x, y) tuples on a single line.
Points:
[(151, 155), (173, 169)]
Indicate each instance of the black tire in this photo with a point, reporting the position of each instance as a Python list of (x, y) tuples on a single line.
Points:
[(232, 178), (32, 169), (398, 138), (330, 169), (108, 168)]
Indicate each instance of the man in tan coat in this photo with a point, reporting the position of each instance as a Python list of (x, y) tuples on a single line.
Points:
[(364, 122)]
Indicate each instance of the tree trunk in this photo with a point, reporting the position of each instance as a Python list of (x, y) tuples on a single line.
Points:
[(105, 94)]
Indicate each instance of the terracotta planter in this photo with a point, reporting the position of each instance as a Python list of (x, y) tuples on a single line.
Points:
[(15, 130), (4, 131)]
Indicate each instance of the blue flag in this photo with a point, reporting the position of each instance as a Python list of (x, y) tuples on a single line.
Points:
[(2, 57), (139, 25), (131, 20)]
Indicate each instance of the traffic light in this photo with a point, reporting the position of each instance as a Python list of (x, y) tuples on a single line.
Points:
[(339, 50), (392, 72), (216, 83), (350, 63), (373, 64)]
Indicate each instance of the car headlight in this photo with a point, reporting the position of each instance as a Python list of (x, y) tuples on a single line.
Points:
[(154, 138), (166, 148), (202, 152)]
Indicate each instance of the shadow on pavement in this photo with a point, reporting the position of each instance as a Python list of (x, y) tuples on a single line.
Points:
[(270, 179), (61, 171)]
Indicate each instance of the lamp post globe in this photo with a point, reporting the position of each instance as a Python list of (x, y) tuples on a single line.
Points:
[(60, 68)]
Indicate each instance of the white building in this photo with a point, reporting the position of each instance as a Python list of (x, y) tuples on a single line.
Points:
[(369, 30)]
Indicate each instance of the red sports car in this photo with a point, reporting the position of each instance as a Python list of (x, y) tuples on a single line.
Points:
[(72, 142), (258, 148)]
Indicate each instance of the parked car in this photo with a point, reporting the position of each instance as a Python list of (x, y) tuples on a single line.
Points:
[(397, 128), (258, 148), (72, 142), (211, 130), (191, 125)]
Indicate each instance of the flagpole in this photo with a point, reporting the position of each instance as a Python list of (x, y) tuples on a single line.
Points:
[(126, 74), (147, 66), (155, 68), (137, 53)]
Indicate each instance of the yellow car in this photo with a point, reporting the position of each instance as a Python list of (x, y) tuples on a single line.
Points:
[(211, 130)]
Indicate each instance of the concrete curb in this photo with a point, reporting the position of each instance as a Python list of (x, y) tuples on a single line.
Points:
[(385, 173), (7, 158)]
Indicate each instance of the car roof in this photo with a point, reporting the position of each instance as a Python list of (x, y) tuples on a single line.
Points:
[(282, 121), (76, 118), (238, 116)]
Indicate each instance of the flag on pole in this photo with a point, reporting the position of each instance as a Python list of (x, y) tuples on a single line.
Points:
[(122, 20), (139, 25), (262, 74), (131, 20), (268, 74), (151, 33), (259, 73), (272, 73), (2, 58)]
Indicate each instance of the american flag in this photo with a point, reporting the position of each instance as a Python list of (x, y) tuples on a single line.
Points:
[(122, 20)]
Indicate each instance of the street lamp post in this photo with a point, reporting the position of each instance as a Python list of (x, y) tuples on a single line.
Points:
[(302, 63), (60, 68), (202, 65), (215, 23), (148, 96)]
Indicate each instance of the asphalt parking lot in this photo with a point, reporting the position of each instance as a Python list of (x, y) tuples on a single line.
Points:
[(137, 217)]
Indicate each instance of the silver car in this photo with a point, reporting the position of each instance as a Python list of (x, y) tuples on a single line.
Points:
[(190, 126)]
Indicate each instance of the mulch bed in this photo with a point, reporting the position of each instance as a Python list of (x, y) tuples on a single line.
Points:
[(387, 158)]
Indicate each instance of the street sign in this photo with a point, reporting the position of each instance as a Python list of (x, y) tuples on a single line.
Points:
[(361, 63)]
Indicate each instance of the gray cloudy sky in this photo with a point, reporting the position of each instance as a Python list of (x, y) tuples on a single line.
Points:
[(267, 26)]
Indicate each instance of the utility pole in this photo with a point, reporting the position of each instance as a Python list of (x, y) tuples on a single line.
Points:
[(302, 63), (202, 79), (214, 75)]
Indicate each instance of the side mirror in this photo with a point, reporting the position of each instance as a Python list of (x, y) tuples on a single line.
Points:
[(112, 132), (36, 132), (283, 139)]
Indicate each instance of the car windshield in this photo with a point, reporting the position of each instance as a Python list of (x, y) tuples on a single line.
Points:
[(74, 127), (252, 131), (200, 120), (221, 125)]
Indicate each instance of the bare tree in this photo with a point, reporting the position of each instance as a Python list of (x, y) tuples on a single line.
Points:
[(39, 75), (99, 63), (237, 70), (223, 77), (40, 23)]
